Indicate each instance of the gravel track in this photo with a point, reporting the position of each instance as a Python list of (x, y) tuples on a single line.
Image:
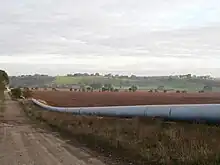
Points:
[(22, 143)]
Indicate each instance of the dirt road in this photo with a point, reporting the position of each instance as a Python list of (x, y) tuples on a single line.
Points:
[(21, 143)]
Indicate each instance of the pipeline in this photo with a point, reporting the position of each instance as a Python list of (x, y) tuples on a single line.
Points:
[(186, 112)]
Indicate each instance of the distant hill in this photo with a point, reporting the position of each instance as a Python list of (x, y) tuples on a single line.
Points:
[(181, 82), (30, 80), (192, 84)]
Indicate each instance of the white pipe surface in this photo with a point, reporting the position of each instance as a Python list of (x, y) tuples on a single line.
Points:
[(208, 112)]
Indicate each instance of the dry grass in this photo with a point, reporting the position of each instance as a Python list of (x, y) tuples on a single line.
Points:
[(2, 102), (141, 141)]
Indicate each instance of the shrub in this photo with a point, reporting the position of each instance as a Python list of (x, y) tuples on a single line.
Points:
[(88, 89), (133, 88), (16, 93), (27, 93), (105, 89), (160, 88), (112, 89), (54, 89), (207, 88)]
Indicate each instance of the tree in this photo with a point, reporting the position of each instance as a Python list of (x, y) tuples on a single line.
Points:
[(189, 76), (4, 79), (108, 86), (160, 87), (16, 93), (133, 88), (97, 74), (133, 77), (88, 89), (207, 88), (27, 93), (96, 85), (111, 89)]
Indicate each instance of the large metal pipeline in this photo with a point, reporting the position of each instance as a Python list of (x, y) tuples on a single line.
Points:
[(190, 112)]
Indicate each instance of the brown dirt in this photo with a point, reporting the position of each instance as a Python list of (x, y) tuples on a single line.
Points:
[(76, 99), (23, 143)]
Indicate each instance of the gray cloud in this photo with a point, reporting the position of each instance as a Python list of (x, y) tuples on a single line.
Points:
[(80, 29)]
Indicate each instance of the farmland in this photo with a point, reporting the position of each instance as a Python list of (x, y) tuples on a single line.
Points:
[(139, 140), (84, 99)]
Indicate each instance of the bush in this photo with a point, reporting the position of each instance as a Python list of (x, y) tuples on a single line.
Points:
[(112, 89), (105, 89), (54, 89), (207, 88), (27, 93), (160, 88), (16, 93), (133, 88)]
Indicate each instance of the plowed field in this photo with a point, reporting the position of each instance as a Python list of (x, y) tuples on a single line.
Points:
[(83, 99)]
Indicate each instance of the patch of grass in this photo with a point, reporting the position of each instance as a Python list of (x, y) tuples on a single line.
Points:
[(2, 106), (139, 140), (2, 102)]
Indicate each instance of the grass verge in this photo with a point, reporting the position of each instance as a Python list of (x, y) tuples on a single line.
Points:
[(2, 103), (139, 140)]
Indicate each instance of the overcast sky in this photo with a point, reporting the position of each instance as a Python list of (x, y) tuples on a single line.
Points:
[(144, 37)]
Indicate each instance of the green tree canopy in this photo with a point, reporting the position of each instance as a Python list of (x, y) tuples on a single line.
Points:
[(4, 79)]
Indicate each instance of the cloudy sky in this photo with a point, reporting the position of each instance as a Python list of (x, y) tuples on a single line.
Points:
[(144, 37)]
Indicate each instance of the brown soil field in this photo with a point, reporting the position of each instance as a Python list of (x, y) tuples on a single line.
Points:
[(84, 99)]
